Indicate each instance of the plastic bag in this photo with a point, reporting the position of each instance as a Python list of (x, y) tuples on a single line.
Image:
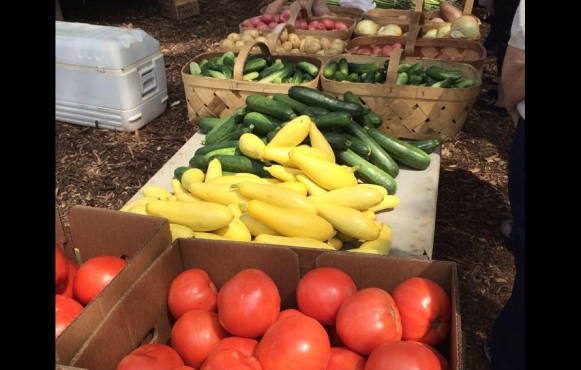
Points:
[(360, 4)]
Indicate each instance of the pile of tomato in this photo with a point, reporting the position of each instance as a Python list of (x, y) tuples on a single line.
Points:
[(76, 286), (334, 327)]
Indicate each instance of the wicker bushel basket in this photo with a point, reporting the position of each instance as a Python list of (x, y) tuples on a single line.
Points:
[(340, 11), (412, 112), (214, 97), (402, 16)]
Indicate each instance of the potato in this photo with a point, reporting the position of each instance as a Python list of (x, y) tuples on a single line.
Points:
[(325, 43), (234, 36), (252, 33), (227, 43), (287, 46), (294, 40), (239, 44), (312, 46), (283, 35), (302, 45), (246, 38)]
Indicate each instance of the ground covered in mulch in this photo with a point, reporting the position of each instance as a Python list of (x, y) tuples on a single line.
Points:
[(101, 168)]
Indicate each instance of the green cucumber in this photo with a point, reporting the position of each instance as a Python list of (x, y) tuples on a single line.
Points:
[(447, 82), (378, 155), (343, 66), (207, 123), (199, 161), (299, 107), (263, 123), (367, 171), (223, 144), (239, 131), (350, 97), (223, 129), (330, 69), (360, 68), (331, 120), (278, 76), (308, 68), (427, 145), (401, 151), (262, 104), (179, 171), (358, 146), (439, 73), (318, 110), (277, 65), (314, 97), (254, 65), (241, 163)]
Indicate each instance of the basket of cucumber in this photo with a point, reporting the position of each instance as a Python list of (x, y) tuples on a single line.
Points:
[(416, 99), (217, 83)]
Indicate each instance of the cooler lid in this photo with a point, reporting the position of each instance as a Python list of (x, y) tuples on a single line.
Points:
[(108, 47)]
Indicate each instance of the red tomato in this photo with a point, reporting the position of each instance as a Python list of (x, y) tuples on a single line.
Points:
[(425, 310), (405, 355), (321, 291), (343, 358), (66, 310), (61, 265), (248, 303), (245, 345), (183, 367), (153, 356), (66, 287), (334, 336), (191, 289), (94, 275), (289, 312), (194, 334), (294, 342), (367, 319), (231, 359)]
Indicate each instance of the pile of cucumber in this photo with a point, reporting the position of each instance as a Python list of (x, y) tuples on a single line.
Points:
[(268, 69), (414, 74), (351, 128)]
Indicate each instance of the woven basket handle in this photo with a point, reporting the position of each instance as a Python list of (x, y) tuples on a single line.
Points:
[(394, 61), (272, 37), (416, 20), (468, 5), (243, 54), (296, 8)]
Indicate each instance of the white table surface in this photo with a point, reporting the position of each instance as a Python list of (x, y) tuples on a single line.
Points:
[(412, 221)]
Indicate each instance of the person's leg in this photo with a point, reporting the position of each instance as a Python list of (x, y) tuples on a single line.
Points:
[(504, 11), (508, 332)]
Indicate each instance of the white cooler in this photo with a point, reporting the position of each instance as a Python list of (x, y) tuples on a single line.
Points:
[(108, 77)]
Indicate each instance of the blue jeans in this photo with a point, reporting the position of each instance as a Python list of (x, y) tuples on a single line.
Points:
[(508, 332)]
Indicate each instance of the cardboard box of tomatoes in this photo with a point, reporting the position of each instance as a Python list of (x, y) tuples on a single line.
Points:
[(102, 232), (142, 315)]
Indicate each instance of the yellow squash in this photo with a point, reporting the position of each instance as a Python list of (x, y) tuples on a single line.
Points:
[(198, 216), (381, 245), (217, 193), (180, 231), (251, 145), (293, 241), (319, 141), (283, 173), (290, 222), (236, 178), (327, 174), (292, 133), (312, 187), (214, 170), (297, 185), (256, 227), (192, 175), (177, 186), (355, 196), (156, 191), (388, 202), (279, 196), (348, 220), (138, 201), (236, 230)]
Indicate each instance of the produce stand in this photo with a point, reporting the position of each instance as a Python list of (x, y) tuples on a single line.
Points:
[(412, 221)]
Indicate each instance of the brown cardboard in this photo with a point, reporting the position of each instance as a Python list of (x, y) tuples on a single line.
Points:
[(179, 9), (142, 316), (95, 232)]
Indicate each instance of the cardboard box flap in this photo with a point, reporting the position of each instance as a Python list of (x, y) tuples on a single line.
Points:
[(96, 231)]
